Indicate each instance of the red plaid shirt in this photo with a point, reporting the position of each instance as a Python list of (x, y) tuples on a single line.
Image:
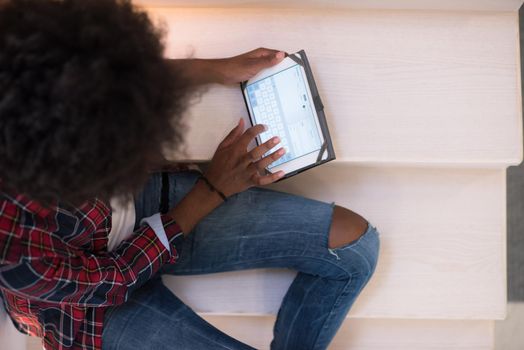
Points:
[(56, 275)]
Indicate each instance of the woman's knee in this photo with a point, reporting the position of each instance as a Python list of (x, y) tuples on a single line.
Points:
[(346, 227), (350, 230)]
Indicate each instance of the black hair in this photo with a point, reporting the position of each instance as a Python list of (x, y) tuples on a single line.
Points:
[(87, 100)]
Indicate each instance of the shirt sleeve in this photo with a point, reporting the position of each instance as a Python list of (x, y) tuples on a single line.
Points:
[(155, 222), (86, 279)]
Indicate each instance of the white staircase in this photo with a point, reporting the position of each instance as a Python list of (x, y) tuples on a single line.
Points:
[(424, 109), (423, 102)]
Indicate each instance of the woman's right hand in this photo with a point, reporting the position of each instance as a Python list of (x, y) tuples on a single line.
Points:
[(233, 169)]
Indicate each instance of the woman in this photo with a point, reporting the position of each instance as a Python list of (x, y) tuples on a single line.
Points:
[(86, 108)]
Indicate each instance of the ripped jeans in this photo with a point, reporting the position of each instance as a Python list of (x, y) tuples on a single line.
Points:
[(258, 228)]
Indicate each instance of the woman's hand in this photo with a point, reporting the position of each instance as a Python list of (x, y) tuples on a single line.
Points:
[(233, 169), (244, 67), (227, 70)]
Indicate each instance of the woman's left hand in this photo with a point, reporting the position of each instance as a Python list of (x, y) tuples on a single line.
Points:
[(226, 71), (244, 67)]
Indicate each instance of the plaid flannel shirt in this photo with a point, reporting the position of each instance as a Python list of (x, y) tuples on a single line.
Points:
[(56, 275)]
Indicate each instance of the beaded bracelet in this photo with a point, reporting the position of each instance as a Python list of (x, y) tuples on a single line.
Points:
[(213, 188)]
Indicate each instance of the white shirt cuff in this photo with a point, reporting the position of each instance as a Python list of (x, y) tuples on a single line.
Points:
[(155, 222)]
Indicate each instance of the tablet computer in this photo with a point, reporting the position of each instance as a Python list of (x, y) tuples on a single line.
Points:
[(285, 98)]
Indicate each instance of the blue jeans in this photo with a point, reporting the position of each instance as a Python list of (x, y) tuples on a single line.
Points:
[(258, 228)]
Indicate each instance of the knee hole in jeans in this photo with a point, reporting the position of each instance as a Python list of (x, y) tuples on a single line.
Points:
[(346, 227)]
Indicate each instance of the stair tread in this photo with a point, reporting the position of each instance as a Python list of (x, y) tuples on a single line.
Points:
[(377, 334), (398, 86), (442, 246)]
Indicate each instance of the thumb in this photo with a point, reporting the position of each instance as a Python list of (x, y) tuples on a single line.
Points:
[(270, 60)]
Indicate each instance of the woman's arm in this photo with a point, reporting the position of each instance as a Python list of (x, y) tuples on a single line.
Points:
[(61, 274), (227, 70)]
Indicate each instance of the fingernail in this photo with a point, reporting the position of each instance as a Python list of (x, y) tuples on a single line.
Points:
[(281, 151), (281, 174), (280, 55), (276, 140), (265, 127)]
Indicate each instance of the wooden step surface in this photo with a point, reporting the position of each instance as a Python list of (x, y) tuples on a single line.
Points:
[(374, 334), (399, 87), (442, 254)]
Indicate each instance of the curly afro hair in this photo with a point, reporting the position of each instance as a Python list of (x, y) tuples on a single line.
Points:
[(87, 101)]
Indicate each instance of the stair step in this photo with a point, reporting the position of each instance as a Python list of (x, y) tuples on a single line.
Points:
[(442, 254), (408, 87), (377, 334)]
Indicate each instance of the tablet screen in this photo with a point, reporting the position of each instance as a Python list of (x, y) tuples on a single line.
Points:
[(281, 101)]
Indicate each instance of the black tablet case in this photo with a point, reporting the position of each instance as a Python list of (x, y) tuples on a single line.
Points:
[(328, 145)]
